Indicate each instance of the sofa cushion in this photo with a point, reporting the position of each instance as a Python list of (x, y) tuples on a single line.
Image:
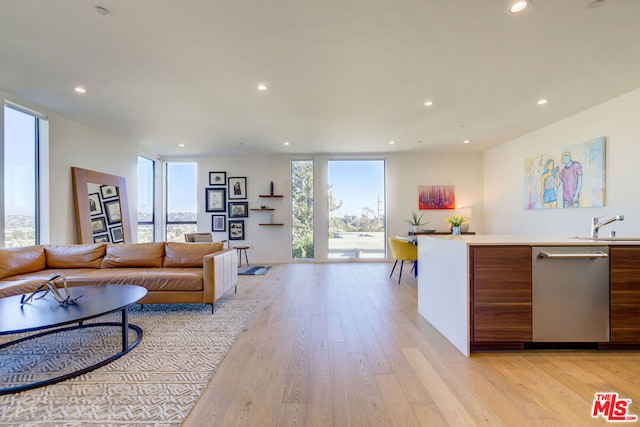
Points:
[(188, 254), (75, 256), (21, 260), (153, 279), (133, 255)]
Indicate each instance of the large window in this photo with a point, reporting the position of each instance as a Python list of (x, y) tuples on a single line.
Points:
[(182, 200), (302, 209), (146, 200), (356, 209), (20, 215)]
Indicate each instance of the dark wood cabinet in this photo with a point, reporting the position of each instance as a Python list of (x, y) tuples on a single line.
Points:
[(500, 295), (624, 267)]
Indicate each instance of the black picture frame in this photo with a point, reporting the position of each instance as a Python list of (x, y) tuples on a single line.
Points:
[(217, 178), (218, 223), (101, 238), (116, 234), (215, 199), (237, 187), (95, 204), (238, 209), (108, 191), (98, 225), (112, 210), (236, 229)]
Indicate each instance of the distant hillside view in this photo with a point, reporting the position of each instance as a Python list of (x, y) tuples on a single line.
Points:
[(187, 224), (19, 231)]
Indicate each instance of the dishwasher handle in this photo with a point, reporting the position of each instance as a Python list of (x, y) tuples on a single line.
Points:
[(573, 256)]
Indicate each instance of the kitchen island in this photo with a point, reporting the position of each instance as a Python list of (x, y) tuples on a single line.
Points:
[(477, 290)]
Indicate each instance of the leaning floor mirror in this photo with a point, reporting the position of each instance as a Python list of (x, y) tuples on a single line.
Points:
[(101, 207)]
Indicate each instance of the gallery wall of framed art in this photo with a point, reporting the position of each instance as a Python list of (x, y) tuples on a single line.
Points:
[(226, 199)]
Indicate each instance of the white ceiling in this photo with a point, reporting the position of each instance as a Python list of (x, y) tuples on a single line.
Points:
[(343, 76)]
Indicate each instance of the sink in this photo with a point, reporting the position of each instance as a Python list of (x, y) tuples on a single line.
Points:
[(610, 239)]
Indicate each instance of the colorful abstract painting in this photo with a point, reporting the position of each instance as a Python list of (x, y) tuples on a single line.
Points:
[(436, 197), (573, 177)]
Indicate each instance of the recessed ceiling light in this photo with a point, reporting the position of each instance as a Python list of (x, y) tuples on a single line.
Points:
[(428, 103), (466, 141), (285, 143), (392, 142), (181, 145), (102, 11), (80, 89), (519, 6), (542, 101), (262, 87)]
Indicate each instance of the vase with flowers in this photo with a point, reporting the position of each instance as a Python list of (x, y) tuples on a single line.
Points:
[(456, 221), (415, 221)]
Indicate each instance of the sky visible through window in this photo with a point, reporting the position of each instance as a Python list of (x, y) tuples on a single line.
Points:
[(181, 188), (358, 183), (19, 162)]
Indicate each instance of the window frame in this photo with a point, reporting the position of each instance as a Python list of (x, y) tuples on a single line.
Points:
[(40, 195), (153, 222), (167, 222)]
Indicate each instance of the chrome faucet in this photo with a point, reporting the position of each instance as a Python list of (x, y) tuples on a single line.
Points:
[(596, 225)]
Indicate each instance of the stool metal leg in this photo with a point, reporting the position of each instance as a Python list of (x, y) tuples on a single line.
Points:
[(246, 257)]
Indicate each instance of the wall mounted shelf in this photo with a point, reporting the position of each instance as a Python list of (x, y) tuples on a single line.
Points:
[(268, 224)]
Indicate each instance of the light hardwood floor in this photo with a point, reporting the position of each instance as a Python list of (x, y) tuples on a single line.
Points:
[(344, 345)]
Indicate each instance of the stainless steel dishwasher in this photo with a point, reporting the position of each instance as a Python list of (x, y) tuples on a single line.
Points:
[(570, 294)]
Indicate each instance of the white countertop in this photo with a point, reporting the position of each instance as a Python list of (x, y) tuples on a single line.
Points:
[(534, 240)]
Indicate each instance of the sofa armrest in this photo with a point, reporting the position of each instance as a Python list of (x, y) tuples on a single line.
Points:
[(220, 273)]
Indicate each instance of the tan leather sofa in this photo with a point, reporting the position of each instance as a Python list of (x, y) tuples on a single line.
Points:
[(171, 272)]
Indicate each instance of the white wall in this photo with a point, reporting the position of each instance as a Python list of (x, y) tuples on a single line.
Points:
[(617, 120), (404, 173), (72, 143)]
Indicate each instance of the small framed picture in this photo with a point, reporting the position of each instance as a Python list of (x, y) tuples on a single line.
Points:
[(217, 178), (238, 209), (95, 204), (237, 187), (236, 229), (112, 209), (98, 225), (215, 199), (218, 223), (101, 238), (116, 234), (108, 191)]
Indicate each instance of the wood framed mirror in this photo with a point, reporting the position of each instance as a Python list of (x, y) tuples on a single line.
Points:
[(102, 210)]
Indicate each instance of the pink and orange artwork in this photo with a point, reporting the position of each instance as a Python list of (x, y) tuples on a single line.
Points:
[(436, 197)]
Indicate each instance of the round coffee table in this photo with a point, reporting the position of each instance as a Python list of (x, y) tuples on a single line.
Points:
[(46, 313)]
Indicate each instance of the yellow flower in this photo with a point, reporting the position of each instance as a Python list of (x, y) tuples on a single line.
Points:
[(456, 220)]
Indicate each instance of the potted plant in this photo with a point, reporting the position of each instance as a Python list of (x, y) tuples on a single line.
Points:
[(456, 221), (415, 221)]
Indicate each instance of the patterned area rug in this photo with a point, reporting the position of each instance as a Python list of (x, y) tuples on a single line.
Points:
[(156, 384), (253, 271)]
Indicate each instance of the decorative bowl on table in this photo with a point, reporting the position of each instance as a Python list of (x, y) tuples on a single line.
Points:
[(428, 231)]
